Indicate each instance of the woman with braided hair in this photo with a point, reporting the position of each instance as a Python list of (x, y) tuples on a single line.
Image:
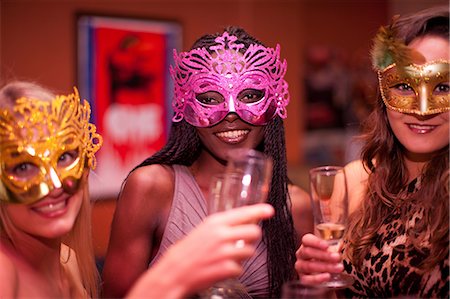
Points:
[(47, 150), (230, 93)]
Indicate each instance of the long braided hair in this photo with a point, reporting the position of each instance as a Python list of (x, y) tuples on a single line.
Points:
[(184, 147)]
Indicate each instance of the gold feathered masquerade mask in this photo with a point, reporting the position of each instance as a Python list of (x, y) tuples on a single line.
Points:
[(407, 83)]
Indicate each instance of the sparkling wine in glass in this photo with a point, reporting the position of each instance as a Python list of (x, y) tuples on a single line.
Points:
[(328, 188)]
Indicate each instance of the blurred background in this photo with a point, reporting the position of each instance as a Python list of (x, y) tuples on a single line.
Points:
[(326, 44)]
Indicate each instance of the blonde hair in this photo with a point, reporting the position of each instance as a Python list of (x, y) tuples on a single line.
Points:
[(80, 237), (80, 240), (12, 91)]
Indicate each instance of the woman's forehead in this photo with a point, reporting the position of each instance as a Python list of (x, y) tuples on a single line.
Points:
[(432, 47)]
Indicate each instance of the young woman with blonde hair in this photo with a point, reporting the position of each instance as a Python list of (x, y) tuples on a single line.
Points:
[(47, 148)]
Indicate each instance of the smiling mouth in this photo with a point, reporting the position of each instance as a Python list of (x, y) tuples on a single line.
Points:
[(233, 136), (52, 208), (421, 129)]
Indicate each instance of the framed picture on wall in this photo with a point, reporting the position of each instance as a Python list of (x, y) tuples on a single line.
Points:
[(123, 71)]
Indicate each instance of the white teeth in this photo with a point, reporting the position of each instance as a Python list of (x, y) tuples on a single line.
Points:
[(232, 134), (422, 127), (52, 207)]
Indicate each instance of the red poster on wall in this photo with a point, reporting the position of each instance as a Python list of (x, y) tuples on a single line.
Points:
[(124, 74)]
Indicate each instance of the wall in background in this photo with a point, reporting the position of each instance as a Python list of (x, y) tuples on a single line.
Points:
[(38, 42), (38, 38)]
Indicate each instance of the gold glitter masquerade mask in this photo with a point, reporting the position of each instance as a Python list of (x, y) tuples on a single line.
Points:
[(419, 89), (45, 145), (407, 84)]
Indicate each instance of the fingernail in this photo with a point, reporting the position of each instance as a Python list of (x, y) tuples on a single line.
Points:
[(324, 276), (323, 243), (335, 255), (269, 209)]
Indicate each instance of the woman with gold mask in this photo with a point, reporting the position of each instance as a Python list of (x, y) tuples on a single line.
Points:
[(47, 149), (397, 242)]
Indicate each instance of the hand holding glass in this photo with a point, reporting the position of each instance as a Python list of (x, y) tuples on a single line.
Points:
[(328, 189)]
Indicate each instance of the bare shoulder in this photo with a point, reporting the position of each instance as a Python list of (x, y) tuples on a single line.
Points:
[(357, 177), (155, 176), (8, 276), (150, 186), (301, 210), (299, 197), (137, 227), (355, 168), (144, 203)]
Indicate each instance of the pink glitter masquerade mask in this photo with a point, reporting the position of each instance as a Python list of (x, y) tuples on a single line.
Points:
[(208, 86)]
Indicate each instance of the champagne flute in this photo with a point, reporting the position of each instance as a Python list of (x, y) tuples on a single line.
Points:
[(246, 181), (330, 207)]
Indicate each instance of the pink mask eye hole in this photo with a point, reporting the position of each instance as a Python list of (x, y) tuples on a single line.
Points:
[(249, 96), (210, 98)]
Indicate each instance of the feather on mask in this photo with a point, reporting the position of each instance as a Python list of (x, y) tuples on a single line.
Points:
[(388, 49)]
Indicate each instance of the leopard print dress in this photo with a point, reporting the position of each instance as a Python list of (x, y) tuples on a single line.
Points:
[(390, 271)]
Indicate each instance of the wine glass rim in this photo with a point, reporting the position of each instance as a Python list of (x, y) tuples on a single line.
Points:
[(249, 152), (327, 169)]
